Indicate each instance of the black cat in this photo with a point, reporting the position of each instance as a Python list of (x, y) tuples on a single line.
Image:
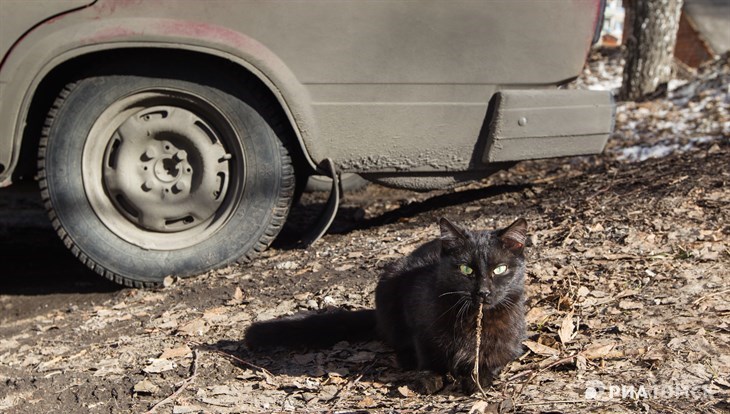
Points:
[(426, 307)]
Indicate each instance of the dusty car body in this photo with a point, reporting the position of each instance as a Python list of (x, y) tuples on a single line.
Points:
[(413, 94)]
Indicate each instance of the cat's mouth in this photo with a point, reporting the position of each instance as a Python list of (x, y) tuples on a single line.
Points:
[(484, 297), (486, 300)]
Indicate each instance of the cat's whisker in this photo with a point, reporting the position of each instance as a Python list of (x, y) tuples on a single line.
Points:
[(462, 314), (509, 303), (447, 311), (463, 292)]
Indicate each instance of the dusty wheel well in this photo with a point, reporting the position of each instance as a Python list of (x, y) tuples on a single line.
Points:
[(152, 60)]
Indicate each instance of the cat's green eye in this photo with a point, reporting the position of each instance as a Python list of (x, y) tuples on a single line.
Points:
[(499, 269), (466, 270)]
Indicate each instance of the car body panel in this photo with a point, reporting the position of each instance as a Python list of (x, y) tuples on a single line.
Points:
[(23, 15), (376, 86)]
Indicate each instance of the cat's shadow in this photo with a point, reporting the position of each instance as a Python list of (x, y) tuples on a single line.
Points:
[(349, 362), (280, 361)]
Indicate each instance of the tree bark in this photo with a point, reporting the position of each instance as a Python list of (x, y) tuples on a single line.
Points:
[(652, 33)]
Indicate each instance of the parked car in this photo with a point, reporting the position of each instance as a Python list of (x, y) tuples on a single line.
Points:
[(168, 136)]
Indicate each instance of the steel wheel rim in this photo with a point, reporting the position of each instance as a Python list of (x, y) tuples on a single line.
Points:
[(163, 168)]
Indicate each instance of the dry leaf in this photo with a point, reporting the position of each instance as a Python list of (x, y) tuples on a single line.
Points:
[(157, 365), (583, 291), (237, 297), (194, 327), (287, 265), (328, 392), (541, 349), (366, 402), (566, 329), (596, 228), (405, 391), (630, 305), (217, 314), (182, 351), (145, 387), (336, 378), (507, 405), (221, 401), (537, 316), (222, 390), (479, 407), (597, 351), (153, 297)]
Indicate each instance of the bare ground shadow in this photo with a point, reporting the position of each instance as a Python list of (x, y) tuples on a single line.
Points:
[(33, 259), (37, 263)]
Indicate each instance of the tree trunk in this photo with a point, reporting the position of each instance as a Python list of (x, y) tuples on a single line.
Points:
[(652, 33)]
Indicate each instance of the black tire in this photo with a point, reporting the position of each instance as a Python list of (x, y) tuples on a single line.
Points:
[(135, 209), (349, 182)]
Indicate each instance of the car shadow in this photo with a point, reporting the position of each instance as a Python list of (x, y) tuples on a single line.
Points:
[(430, 204), (304, 215)]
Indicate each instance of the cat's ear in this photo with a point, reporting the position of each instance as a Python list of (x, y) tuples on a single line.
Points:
[(451, 236), (514, 237)]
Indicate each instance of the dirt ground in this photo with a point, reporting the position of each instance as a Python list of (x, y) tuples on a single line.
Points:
[(628, 283)]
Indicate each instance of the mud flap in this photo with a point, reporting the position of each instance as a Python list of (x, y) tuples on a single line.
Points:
[(333, 204), (531, 124)]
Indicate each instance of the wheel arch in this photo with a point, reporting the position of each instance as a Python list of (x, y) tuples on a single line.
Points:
[(23, 118)]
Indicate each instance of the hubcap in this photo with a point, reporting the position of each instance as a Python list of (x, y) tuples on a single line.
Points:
[(150, 176), (166, 169)]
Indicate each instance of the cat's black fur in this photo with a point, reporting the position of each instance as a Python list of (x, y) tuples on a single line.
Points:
[(426, 307)]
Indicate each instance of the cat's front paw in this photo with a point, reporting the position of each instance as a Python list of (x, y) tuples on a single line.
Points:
[(468, 386)]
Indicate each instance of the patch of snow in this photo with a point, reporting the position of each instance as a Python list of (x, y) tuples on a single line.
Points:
[(639, 153)]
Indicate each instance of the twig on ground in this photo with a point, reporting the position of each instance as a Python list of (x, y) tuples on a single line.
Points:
[(709, 295), (547, 402), (551, 362), (542, 366), (181, 388), (560, 361), (600, 191)]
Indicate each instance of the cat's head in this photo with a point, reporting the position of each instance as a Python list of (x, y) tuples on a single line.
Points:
[(489, 265)]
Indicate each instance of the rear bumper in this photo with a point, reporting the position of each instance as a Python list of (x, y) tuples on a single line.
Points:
[(530, 124)]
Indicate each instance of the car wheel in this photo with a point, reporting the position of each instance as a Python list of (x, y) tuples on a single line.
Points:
[(145, 177), (349, 182)]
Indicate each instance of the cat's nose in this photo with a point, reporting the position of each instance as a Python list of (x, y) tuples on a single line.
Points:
[(484, 293)]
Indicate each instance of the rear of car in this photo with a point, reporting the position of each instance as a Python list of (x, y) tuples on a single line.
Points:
[(176, 130)]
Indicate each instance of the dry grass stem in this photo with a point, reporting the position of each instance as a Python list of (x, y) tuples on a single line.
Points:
[(475, 371)]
